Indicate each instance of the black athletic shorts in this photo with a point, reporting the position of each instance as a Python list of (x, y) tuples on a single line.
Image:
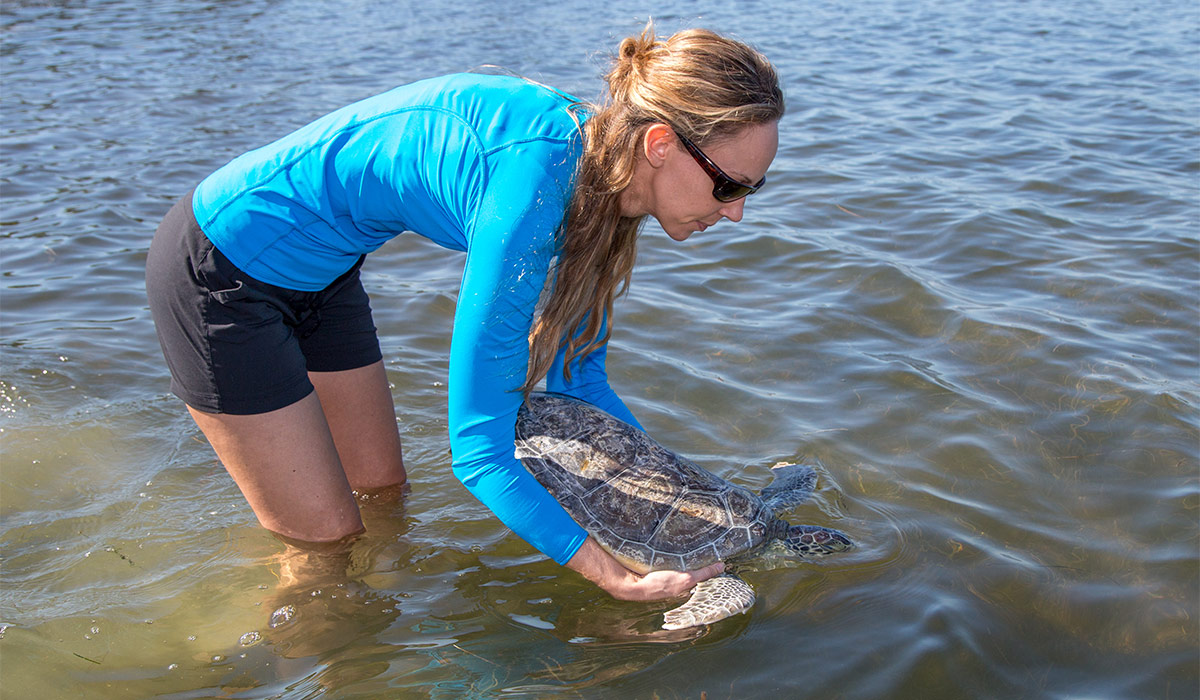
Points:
[(236, 345)]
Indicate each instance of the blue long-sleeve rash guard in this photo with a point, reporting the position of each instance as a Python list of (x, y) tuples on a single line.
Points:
[(481, 164)]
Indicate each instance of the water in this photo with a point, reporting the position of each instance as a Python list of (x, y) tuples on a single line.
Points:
[(970, 290)]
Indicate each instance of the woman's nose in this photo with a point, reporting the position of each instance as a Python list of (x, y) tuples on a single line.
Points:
[(734, 210)]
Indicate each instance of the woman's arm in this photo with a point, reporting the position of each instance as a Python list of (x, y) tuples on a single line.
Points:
[(510, 246), (511, 243), (599, 567)]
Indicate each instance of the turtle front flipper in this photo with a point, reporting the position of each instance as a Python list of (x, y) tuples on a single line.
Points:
[(713, 599), (791, 484)]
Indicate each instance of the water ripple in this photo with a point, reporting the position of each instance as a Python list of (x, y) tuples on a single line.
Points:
[(969, 290)]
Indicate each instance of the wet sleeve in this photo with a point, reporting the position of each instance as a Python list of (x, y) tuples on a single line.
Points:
[(589, 381), (511, 244)]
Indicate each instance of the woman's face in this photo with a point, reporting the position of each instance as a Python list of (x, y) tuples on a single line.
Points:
[(680, 192)]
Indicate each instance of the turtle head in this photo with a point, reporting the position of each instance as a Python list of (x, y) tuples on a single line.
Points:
[(809, 541)]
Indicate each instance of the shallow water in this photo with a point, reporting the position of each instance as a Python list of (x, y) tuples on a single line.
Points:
[(970, 292)]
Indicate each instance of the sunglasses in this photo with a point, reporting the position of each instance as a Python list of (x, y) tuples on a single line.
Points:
[(725, 188)]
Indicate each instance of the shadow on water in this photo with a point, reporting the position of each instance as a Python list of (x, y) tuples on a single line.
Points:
[(539, 630)]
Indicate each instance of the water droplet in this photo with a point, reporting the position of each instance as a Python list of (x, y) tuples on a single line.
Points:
[(282, 616), (217, 658), (95, 630), (191, 637), (172, 667), (250, 638)]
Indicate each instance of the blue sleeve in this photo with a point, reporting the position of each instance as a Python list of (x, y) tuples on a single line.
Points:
[(509, 252), (589, 381)]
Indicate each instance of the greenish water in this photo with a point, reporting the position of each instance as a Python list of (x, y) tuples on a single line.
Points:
[(970, 291)]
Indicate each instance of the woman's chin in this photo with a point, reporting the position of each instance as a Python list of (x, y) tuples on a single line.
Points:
[(680, 233)]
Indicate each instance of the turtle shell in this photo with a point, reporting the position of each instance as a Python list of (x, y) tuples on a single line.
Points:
[(650, 508)]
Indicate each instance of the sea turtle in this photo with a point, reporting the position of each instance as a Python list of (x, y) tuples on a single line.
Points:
[(653, 510)]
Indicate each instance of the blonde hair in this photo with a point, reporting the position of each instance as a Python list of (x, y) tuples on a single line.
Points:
[(706, 86)]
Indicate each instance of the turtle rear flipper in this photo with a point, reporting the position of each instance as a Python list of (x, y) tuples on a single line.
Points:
[(713, 599), (792, 484)]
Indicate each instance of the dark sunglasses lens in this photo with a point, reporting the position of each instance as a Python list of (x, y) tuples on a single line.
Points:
[(726, 192), (731, 190)]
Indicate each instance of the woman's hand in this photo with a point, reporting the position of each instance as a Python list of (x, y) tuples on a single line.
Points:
[(599, 567)]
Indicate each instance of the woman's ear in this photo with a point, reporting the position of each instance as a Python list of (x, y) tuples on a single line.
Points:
[(657, 142)]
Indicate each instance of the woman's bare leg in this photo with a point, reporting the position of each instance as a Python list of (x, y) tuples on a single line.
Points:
[(287, 467), (297, 466), (362, 420)]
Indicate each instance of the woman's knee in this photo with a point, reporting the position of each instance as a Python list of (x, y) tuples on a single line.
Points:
[(321, 530)]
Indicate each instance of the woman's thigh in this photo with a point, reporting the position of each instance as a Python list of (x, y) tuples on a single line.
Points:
[(287, 467), (358, 407)]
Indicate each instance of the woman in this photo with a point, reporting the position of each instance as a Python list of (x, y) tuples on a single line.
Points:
[(254, 284)]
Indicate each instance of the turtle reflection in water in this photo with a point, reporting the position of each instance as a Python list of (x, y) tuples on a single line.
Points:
[(654, 510)]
